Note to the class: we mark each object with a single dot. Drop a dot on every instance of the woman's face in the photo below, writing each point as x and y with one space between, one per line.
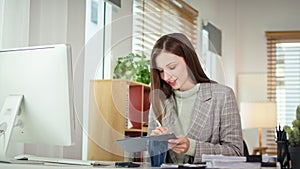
173 70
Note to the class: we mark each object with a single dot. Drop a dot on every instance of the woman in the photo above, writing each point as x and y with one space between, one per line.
203 114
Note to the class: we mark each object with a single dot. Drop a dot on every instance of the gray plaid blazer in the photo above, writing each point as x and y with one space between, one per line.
215 126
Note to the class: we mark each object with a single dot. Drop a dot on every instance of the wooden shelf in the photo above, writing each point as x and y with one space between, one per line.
144 130
113 104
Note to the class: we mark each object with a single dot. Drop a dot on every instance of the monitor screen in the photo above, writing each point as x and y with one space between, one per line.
43 76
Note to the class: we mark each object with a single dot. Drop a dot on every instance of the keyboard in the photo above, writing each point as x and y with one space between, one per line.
58 160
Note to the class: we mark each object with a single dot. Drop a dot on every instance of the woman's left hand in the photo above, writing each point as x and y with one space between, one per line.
179 145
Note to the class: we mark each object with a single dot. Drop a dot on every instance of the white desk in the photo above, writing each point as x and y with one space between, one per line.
38 166
50 166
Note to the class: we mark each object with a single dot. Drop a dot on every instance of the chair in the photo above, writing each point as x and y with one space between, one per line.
246 151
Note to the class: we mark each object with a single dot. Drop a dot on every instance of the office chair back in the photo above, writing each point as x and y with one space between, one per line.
246 151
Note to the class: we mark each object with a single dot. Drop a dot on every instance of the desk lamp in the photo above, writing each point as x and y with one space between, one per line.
258 115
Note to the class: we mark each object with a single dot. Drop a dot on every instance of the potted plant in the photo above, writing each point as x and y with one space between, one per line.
134 67
294 140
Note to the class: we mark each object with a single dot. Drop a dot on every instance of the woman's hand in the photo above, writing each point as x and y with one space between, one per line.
160 130
179 145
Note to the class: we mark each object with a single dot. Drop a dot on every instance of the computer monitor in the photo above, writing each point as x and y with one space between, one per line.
36 96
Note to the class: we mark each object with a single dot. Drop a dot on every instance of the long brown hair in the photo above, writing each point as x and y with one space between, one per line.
178 44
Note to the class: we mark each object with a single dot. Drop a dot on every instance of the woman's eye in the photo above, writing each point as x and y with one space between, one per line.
172 67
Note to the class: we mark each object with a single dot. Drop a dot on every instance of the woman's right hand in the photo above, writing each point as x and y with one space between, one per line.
160 130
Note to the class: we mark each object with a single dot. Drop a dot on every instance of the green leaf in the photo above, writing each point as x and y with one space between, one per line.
133 67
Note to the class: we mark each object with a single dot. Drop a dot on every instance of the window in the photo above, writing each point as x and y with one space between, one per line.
283 49
154 18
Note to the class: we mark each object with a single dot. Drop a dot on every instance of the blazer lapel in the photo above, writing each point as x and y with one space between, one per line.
201 109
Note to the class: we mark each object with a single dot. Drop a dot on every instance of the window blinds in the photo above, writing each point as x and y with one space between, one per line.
283 51
154 18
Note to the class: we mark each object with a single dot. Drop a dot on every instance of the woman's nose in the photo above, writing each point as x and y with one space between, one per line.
167 76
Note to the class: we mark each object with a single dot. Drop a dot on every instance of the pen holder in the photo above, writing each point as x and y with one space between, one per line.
283 156
157 151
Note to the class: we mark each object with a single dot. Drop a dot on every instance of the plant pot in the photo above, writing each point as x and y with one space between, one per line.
295 157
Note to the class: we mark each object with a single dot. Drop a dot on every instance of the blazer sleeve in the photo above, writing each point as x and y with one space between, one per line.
230 132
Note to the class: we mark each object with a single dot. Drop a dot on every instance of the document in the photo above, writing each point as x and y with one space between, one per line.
233 165
233 162
210 157
138 144
196 166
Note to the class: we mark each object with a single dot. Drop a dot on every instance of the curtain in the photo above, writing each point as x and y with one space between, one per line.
283 54
154 18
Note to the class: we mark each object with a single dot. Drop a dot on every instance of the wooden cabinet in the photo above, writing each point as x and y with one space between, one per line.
118 108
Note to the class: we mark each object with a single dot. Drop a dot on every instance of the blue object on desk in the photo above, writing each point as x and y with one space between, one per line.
157 150
138 144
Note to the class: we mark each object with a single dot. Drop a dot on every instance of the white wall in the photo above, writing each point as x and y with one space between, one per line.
269 15
47 26
14 16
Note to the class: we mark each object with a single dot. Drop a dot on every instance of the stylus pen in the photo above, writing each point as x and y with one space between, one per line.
158 123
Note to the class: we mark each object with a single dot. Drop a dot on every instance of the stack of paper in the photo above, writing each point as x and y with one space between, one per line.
220 161
209 157
197 166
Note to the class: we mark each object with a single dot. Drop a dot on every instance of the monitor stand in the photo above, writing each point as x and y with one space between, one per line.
9 111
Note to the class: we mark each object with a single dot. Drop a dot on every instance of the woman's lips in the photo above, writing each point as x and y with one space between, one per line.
173 83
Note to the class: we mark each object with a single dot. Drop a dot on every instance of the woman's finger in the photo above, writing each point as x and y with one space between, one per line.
179 145
159 130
